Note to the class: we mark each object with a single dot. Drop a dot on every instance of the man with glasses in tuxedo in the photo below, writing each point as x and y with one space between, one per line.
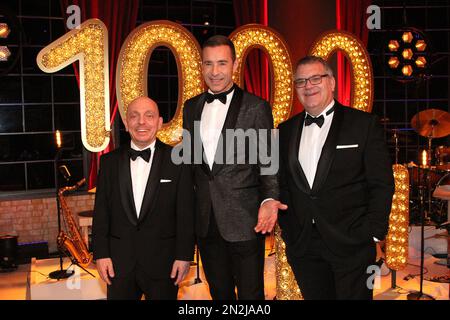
336 179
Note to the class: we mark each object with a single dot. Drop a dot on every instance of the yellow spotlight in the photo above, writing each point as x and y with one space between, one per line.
393 62
407 70
393 45
407 54
4 30
4 53
407 37
58 138
421 62
421 45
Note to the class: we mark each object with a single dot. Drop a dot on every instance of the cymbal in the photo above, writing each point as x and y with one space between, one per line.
432 123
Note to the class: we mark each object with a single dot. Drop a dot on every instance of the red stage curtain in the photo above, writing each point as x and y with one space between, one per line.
120 17
256 75
351 16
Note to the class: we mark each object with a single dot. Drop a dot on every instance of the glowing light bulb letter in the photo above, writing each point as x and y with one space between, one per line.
88 45
362 75
131 75
253 36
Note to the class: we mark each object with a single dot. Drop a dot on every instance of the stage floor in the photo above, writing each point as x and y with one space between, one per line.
13 285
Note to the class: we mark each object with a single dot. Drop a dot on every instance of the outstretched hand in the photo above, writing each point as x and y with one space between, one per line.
268 215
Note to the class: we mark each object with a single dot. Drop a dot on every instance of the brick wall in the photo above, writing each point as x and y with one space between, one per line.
37 219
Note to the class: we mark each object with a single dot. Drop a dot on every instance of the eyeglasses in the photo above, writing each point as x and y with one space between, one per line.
300 83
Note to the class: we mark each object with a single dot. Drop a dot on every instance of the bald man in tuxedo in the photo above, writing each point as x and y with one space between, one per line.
143 225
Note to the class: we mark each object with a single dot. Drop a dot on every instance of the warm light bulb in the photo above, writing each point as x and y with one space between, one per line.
58 138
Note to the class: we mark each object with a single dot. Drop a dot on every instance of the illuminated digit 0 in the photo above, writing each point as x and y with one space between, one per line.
89 45
362 75
131 75
253 36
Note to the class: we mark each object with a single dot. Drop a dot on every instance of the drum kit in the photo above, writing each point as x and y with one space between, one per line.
432 176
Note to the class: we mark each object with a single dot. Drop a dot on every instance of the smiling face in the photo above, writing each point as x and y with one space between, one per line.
143 121
315 98
218 68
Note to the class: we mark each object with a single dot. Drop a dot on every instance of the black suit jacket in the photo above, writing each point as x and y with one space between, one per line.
351 196
164 231
234 191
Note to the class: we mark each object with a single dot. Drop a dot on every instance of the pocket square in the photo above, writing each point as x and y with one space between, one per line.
165 181
346 146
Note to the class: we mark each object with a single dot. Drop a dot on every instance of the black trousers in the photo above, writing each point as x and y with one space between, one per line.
228 265
137 283
321 275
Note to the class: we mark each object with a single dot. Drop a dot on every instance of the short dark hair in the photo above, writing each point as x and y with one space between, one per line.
219 40
313 59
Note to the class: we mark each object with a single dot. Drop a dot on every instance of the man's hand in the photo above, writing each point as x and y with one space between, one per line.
268 214
179 270
105 269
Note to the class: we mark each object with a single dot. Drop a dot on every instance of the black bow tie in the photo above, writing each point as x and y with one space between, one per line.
144 154
319 120
222 97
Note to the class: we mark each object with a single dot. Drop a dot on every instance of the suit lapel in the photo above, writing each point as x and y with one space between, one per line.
152 188
328 150
294 145
125 186
230 123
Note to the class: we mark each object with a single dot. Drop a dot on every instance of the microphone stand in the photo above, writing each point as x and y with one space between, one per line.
419 295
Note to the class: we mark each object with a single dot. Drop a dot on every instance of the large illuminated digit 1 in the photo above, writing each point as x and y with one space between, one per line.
131 75
397 237
353 49
256 36
88 45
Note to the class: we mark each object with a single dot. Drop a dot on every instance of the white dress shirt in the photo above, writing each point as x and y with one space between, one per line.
311 144
211 124
140 171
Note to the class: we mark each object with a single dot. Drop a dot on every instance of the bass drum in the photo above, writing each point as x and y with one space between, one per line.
442 193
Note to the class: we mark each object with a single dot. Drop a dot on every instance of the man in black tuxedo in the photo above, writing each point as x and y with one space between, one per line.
235 201
143 227
337 180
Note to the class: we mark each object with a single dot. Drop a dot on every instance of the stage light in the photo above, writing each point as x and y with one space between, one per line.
421 45
407 57
407 70
407 54
421 62
407 37
393 62
4 53
4 30
393 45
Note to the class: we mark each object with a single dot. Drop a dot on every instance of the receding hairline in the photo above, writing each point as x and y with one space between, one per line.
313 59
144 99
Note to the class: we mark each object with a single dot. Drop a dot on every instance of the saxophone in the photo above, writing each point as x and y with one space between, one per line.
73 242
